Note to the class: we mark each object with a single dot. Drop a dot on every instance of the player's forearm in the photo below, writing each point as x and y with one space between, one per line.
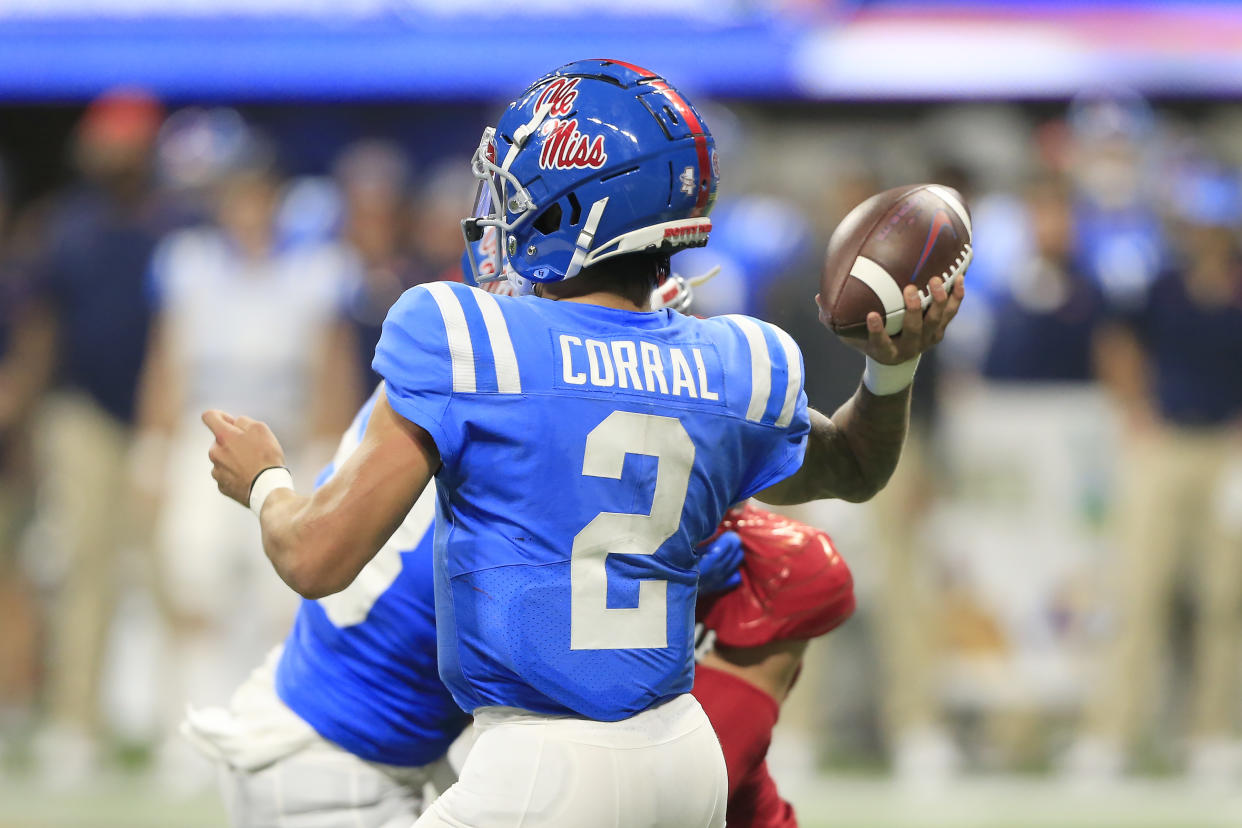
319 544
872 429
850 456
303 546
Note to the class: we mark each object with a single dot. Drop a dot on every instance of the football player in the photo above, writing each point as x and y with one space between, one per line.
794 587
565 586
347 724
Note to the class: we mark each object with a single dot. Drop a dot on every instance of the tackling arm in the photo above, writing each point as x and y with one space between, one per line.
318 543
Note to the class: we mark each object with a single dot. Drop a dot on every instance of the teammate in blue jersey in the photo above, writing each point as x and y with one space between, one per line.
582 447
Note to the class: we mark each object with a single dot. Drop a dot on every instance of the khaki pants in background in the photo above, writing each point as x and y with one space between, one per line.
1168 516
83 453
882 541
905 622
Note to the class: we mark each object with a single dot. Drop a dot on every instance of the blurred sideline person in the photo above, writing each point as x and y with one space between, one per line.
91 318
1044 325
1119 234
921 748
581 709
374 180
403 233
438 208
348 721
1172 363
242 320
194 149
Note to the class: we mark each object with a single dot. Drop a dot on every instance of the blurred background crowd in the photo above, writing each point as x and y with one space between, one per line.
1052 583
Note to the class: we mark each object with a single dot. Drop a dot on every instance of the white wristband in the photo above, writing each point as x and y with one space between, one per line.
266 482
883 380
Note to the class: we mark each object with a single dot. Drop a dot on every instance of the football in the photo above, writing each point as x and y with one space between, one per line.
899 237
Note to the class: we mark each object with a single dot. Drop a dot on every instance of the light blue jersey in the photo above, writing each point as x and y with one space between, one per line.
360 666
586 451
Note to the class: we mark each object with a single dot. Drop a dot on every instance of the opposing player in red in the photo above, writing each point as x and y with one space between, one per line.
794 587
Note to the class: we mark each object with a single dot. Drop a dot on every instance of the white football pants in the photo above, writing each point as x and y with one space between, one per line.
276 772
662 768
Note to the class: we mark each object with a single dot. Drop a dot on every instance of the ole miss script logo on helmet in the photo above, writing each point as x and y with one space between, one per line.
564 146
559 95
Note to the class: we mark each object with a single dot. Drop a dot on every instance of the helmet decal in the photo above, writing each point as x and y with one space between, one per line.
565 148
688 181
559 95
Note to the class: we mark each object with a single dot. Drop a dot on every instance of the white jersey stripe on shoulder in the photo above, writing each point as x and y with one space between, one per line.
508 380
793 384
760 366
460 349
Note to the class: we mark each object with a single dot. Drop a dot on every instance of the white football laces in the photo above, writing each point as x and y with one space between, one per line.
950 276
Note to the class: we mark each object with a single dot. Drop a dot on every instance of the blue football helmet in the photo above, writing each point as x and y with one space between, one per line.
597 159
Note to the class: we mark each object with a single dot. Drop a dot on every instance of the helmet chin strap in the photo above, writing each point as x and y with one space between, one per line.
583 245
522 133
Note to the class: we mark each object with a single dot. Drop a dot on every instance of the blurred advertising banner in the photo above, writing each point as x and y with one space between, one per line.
784 49
1021 543
347 9
1038 48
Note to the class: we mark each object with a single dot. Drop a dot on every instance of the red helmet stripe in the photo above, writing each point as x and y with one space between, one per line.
692 121
640 70
700 140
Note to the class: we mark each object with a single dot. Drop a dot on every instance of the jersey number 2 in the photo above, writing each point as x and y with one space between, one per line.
593 625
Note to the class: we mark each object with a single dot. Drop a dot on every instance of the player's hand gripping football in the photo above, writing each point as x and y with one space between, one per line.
920 329
893 270
243 448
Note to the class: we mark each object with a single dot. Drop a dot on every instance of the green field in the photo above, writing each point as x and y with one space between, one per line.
827 802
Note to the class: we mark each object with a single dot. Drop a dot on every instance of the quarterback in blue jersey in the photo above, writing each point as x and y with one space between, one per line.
582 446
348 721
